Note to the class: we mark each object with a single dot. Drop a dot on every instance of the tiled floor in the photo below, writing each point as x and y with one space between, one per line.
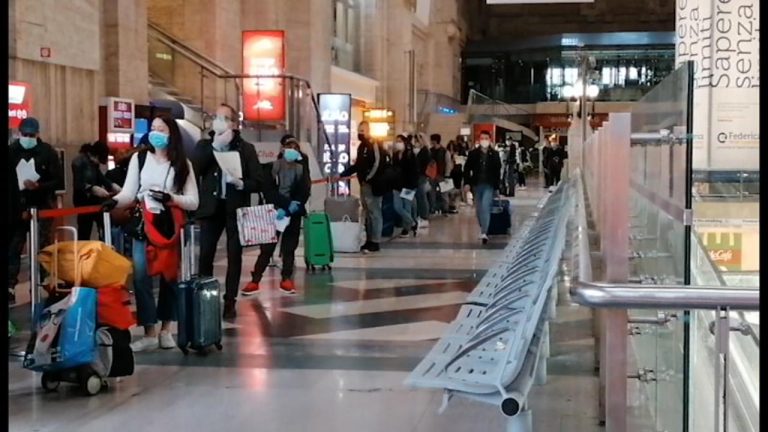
333 357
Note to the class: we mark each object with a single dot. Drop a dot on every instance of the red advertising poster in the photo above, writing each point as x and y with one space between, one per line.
263 54
19 103
480 127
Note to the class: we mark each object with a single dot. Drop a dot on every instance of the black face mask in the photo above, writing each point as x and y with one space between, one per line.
360 136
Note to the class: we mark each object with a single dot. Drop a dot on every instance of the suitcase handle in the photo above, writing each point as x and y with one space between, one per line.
187 251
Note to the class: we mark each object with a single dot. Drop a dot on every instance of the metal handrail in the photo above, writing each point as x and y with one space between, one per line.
189 52
638 296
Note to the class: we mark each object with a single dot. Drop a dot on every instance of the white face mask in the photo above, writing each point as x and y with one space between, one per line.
484 143
220 125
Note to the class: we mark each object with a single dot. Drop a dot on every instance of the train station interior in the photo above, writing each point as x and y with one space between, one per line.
447 215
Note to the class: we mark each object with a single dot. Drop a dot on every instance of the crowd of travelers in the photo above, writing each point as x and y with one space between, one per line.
154 188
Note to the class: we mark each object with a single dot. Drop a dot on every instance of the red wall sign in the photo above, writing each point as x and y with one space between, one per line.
121 115
264 54
19 103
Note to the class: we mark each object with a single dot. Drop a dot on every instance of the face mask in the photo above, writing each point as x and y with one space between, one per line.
158 140
484 143
291 155
399 146
360 136
28 142
220 125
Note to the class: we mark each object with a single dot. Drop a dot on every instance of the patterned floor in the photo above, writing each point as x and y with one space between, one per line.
331 358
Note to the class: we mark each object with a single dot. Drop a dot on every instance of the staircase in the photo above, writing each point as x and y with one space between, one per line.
160 90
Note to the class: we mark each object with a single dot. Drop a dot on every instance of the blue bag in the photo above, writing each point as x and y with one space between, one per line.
65 333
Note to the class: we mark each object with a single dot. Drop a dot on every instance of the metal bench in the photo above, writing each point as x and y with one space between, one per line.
497 346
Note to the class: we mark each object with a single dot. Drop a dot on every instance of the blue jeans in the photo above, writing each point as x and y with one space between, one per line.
403 208
374 222
422 202
483 195
146 312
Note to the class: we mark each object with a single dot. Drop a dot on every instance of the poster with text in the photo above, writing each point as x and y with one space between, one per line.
335 113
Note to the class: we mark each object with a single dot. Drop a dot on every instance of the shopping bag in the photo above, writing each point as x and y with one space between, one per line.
347 236
256 225
64 335
97 263
446 185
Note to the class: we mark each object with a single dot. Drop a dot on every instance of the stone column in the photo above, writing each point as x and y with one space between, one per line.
124 43
722 38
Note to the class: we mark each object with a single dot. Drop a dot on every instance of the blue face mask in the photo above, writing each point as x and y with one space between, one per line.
158 140
28 142
291 155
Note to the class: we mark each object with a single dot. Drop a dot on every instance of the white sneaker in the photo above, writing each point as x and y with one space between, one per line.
166 340
145 344
423 223
523 188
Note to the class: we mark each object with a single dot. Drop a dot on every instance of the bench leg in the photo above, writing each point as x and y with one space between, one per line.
522 422
540 378
545 340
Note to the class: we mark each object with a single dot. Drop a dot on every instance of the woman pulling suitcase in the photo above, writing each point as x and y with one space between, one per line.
161 185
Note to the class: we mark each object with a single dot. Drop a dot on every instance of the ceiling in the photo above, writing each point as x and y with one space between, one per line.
504 22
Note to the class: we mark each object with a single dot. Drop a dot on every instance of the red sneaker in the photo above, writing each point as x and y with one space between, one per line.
250 289
286 286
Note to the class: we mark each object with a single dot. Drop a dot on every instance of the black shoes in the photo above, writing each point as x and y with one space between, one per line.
229 311
405 232
369 247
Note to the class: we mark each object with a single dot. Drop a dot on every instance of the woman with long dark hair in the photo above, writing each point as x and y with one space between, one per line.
161 181
406 176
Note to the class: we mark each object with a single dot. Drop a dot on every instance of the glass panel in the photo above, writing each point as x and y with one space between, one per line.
659 157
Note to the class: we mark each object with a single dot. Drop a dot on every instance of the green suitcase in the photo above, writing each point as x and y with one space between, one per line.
318 243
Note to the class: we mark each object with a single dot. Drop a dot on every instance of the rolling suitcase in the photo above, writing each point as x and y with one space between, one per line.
342 208
198 303
501 218
318 241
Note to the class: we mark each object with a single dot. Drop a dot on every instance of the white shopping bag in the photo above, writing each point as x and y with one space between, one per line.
347 236
446 185
256 225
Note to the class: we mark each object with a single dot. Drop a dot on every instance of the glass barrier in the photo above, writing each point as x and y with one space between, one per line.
660 155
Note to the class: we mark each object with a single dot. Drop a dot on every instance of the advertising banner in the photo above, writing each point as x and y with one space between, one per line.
19 103
381 122
723 40
335 113
264 54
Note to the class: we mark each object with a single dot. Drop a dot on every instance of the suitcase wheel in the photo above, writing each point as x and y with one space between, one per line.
184 350
313 268
219 346
91 383
49 382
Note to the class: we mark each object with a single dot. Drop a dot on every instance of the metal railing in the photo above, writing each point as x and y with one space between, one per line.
640 296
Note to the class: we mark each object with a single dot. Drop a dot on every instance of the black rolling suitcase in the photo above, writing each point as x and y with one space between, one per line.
198 303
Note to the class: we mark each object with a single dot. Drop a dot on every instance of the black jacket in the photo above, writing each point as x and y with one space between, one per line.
209 174
472 168
424 157
439 156
49 168
367 155
553 158
300 190
85 175
406 170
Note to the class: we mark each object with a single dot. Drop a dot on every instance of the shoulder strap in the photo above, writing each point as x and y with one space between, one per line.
142 160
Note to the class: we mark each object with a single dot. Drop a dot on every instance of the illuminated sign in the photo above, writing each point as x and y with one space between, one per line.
335 113
119 115
19 105
381 122
264 54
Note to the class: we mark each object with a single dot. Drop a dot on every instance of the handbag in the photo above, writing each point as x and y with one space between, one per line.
134 225
256 225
